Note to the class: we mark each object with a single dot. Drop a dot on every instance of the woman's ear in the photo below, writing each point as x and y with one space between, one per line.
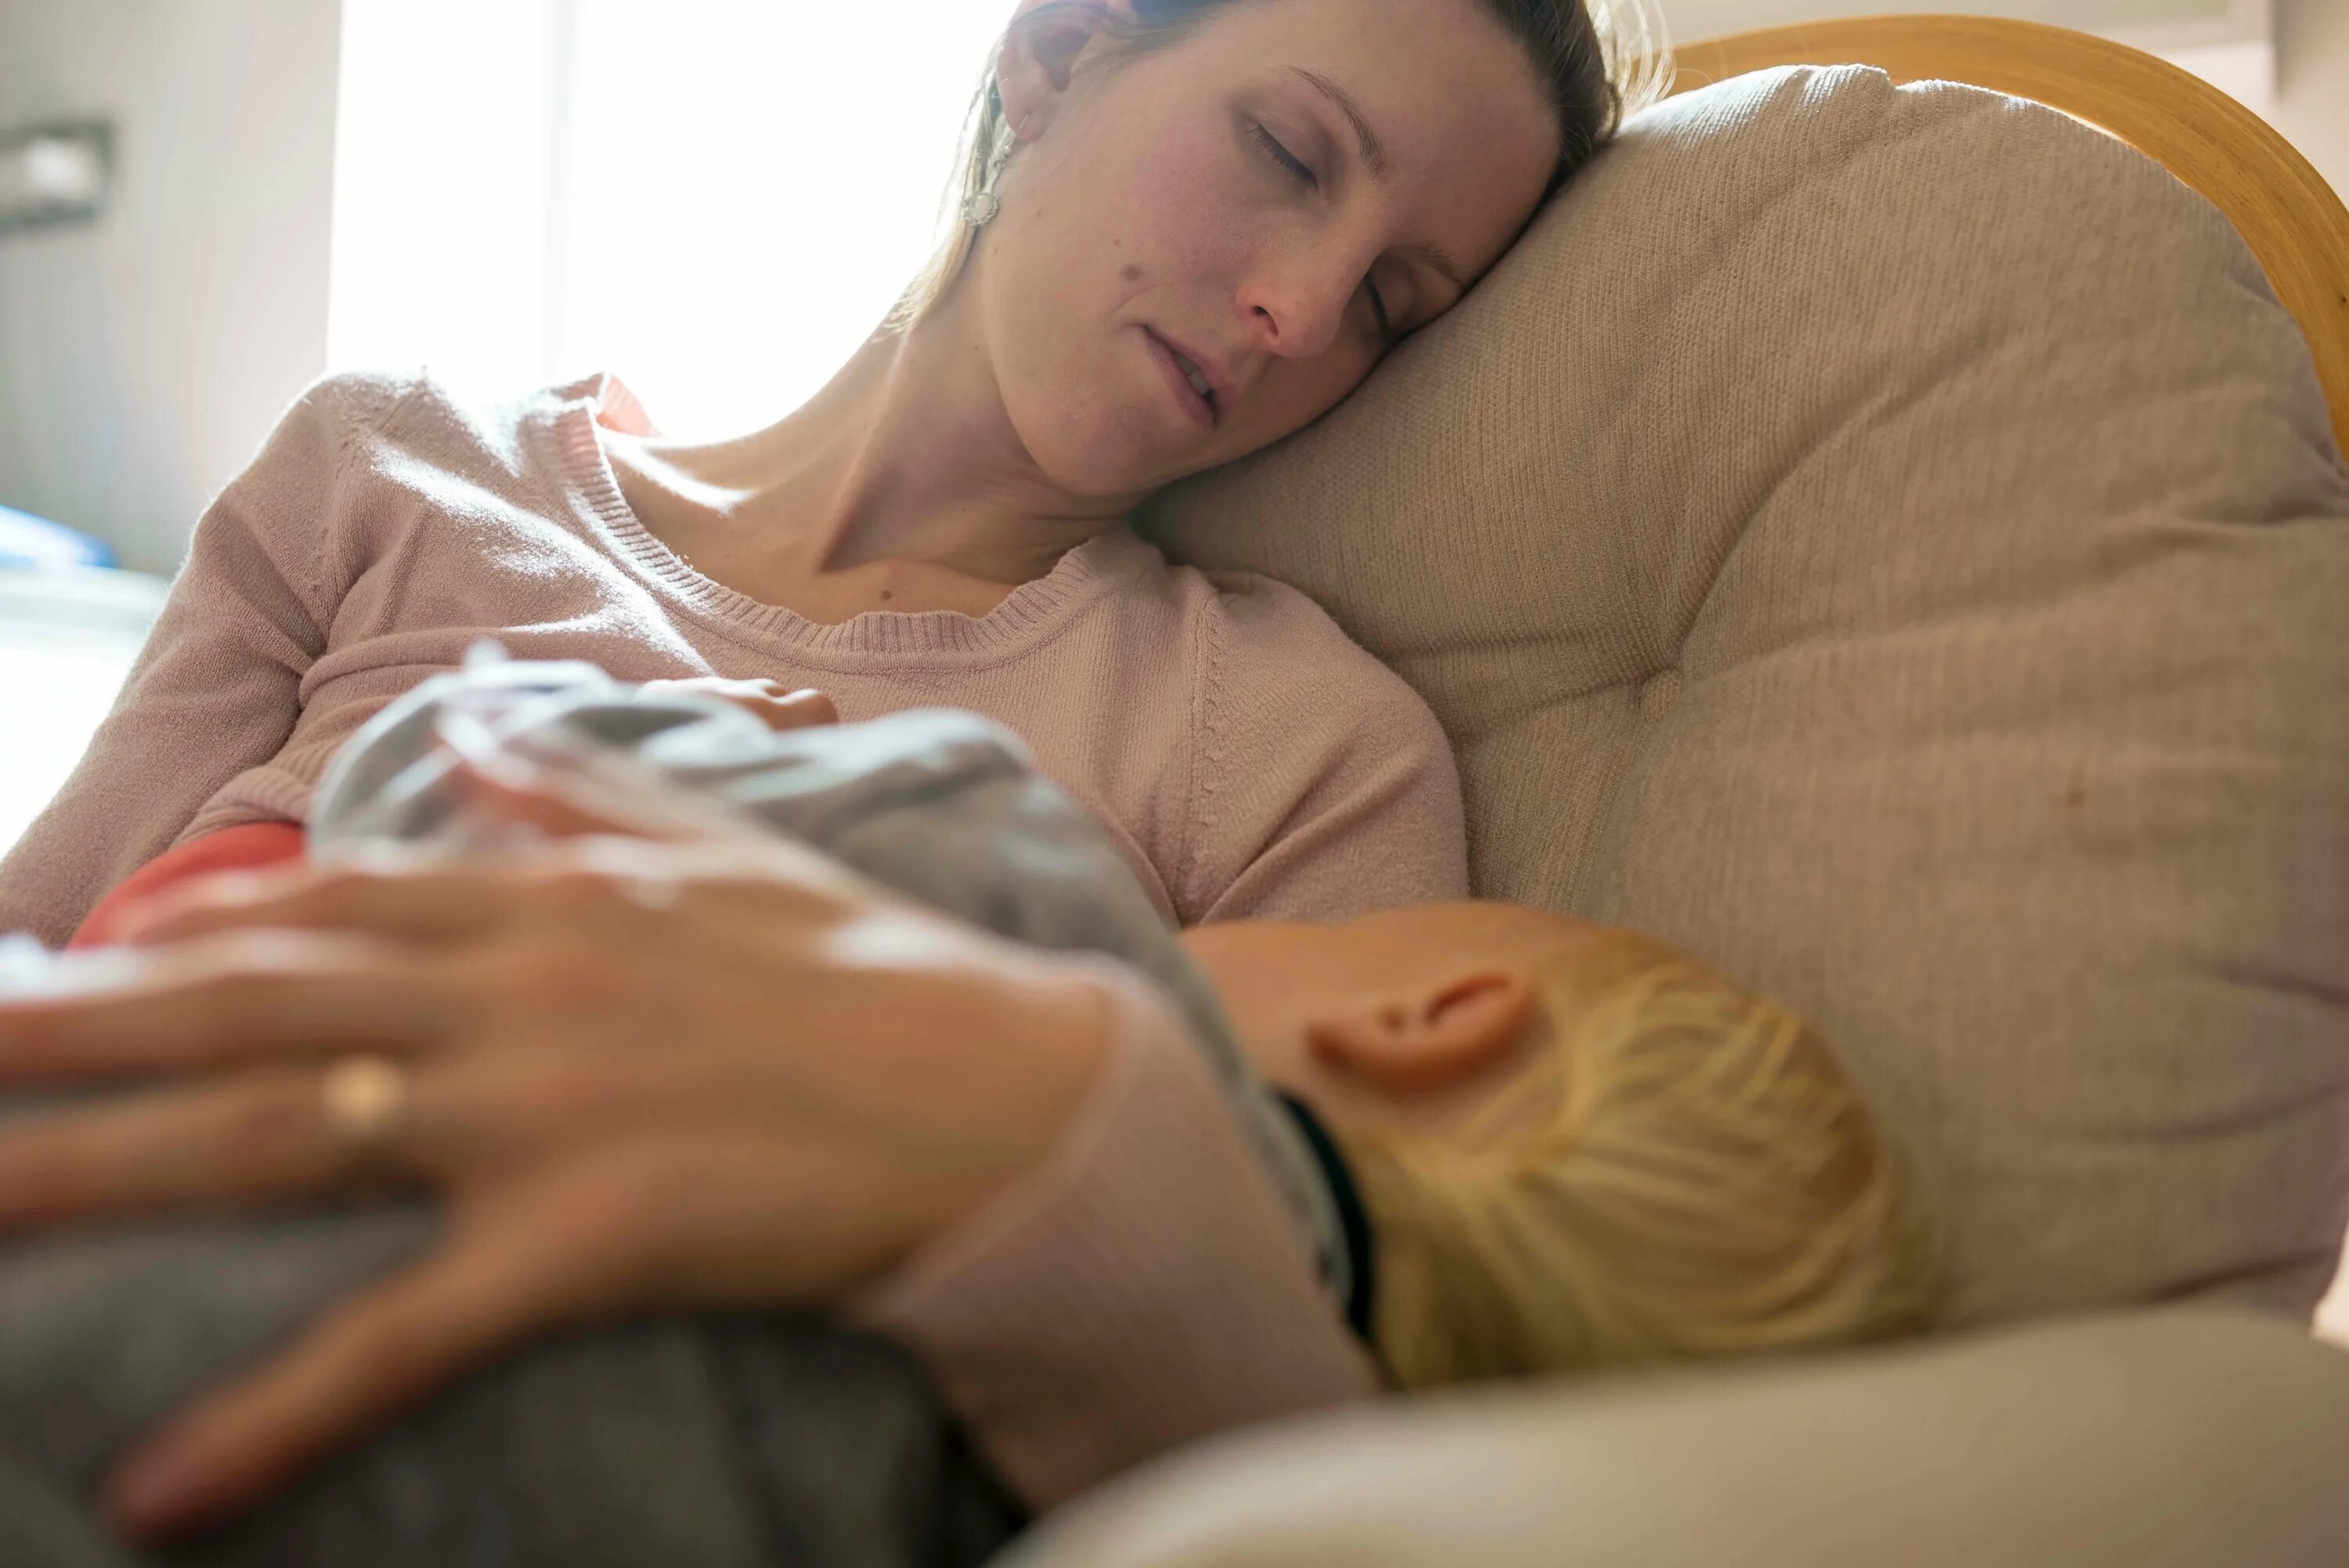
1039 58
1423 1041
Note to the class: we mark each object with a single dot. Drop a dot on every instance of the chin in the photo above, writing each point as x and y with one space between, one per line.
1089 452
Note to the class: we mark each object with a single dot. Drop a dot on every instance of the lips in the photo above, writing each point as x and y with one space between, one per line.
1192 387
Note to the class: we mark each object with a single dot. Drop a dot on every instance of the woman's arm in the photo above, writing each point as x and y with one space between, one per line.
1144 1288
216 689
1138 1281
1150 1284
642 1078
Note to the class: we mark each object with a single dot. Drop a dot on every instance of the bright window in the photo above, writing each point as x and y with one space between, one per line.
714 200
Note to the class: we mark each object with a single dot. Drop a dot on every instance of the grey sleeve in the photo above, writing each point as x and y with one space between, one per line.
709 1443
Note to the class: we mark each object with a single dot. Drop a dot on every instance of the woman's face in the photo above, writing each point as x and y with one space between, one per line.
1274 198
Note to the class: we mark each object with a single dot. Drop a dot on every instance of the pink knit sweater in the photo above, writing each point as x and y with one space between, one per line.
1249 758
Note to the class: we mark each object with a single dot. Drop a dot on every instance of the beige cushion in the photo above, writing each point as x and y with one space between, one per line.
2183 1438
1888 542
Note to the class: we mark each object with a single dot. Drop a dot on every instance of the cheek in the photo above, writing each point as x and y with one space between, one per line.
1076 264
1050 278
1186 217
1073 384
1167 200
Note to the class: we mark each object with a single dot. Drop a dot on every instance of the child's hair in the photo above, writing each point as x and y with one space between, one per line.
1599 60
1690 1175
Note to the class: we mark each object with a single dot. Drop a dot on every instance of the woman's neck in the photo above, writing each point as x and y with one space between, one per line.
906 455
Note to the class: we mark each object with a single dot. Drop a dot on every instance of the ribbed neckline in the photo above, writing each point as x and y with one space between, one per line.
1027 614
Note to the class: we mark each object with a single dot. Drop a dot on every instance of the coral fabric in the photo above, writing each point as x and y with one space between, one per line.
248 848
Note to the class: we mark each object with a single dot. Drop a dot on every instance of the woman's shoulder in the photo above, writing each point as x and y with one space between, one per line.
1272 641
1324 783
431 415
374 465
1256 617
420 407
363 393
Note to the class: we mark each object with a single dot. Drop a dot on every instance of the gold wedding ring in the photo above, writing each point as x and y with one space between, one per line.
365 1103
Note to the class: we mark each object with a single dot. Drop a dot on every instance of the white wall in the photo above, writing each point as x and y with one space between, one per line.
143 358
2312 83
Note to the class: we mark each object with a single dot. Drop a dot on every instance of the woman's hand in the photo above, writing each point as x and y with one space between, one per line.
643 1078
778 706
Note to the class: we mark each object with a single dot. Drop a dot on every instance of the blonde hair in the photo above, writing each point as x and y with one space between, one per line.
1689 1174
1599 60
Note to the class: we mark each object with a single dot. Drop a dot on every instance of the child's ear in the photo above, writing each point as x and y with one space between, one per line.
1417 1042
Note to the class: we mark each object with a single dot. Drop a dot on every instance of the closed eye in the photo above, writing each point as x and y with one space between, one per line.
1387 333
1282 156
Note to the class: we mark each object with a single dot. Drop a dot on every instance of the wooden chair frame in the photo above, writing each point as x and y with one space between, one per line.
2292 219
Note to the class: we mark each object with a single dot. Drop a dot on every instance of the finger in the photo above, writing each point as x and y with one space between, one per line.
257 1138
356 1368
804 710
382 890
244 997
574 799
525 797
763 699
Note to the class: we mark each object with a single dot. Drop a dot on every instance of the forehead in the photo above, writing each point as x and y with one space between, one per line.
1469 137
1477 928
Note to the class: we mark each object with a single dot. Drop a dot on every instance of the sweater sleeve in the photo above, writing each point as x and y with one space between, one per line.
215 690
1146 1288
1325 787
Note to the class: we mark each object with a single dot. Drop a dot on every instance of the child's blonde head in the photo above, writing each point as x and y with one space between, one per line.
1688 1174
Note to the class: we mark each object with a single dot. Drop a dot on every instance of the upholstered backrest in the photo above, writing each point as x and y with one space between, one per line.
1889 541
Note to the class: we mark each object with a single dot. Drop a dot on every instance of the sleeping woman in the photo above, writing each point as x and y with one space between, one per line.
1186 229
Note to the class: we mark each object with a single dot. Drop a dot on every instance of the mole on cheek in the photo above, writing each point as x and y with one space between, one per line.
1133 274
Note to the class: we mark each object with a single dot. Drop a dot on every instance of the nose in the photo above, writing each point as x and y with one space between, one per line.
1295 302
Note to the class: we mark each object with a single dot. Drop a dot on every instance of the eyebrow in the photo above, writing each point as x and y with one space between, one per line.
1374 151
1374 158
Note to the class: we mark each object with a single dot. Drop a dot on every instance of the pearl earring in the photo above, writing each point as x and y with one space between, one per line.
983 205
